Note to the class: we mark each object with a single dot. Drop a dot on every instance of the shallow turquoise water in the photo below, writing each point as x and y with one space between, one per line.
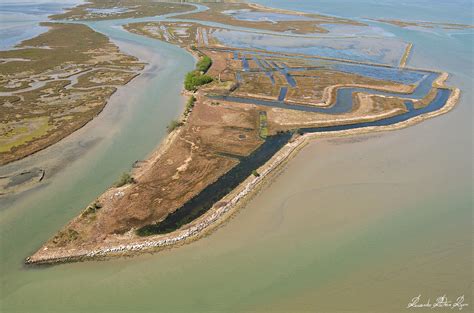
353 225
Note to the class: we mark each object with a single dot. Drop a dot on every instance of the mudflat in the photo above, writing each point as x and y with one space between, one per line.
54 84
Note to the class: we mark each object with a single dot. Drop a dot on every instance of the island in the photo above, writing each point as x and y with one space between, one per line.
54 84
264 85
424 24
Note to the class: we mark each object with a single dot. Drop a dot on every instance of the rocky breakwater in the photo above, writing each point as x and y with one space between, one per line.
216 215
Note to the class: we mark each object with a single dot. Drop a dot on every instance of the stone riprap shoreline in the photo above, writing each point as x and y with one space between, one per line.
194 229
229 204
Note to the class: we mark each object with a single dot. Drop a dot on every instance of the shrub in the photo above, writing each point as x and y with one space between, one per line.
173 125
190 105
204 64
92 208
125 179
255 173
203 79
195 79
71 234
188 81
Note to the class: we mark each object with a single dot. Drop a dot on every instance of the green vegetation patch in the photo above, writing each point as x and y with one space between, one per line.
195 79
15 134
91 209
204 64
173 125
189 105
125 179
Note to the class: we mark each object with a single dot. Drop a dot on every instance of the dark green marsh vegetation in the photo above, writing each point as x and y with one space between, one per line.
204 64
198 77
125 179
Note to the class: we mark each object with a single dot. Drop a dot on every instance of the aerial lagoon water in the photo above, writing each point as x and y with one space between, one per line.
369 49
19 19
361 224
247 15
107 11
344 103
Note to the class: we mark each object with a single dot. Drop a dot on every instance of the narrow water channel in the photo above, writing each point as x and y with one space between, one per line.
83 165
201 203
343 103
